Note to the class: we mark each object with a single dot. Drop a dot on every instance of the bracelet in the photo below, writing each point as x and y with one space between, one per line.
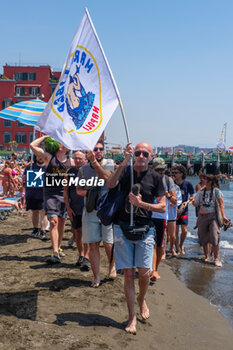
94 161
148 208
170 197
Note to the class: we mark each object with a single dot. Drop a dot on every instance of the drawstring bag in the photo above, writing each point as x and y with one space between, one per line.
91 199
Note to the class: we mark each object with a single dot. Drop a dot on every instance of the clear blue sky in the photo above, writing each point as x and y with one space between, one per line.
172 60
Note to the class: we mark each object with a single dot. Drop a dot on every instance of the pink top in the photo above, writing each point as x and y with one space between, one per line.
14 172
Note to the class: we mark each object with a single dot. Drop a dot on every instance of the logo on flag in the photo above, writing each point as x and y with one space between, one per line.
79 102
86 95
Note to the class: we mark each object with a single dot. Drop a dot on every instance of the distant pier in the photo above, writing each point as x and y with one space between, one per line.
210 164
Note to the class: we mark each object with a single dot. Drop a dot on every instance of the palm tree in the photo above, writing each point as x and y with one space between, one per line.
13 145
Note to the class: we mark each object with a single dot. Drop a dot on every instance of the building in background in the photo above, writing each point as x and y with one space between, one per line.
20 83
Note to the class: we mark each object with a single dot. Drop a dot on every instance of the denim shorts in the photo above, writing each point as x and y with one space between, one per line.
132 254
93 230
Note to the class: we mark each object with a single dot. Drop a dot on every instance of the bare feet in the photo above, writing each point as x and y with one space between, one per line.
112 272
206 259
163 257
95 284
182 251
131 326
144 311
173 252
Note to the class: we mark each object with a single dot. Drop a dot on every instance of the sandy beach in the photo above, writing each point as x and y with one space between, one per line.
53 307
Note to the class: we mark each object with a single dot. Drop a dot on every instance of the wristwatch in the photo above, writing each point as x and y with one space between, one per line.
170 197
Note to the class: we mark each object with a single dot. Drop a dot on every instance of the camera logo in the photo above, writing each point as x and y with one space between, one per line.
35 179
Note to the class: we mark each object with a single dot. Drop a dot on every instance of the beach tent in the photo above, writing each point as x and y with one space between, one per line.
26 112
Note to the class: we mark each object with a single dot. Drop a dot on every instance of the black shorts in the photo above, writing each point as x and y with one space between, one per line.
182 220
77 221
160 229
55 206
34 204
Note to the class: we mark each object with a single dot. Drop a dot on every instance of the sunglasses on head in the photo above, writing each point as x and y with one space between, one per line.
144 153
98 148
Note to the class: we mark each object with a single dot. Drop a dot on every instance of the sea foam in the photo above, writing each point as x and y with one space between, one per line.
191 235
225 245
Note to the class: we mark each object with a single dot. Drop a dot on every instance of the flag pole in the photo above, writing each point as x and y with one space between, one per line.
131 159
33 138
120 103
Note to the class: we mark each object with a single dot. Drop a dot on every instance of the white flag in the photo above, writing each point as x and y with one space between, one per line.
86 95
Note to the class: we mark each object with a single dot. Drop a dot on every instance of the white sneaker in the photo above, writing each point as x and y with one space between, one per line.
48 227
218 263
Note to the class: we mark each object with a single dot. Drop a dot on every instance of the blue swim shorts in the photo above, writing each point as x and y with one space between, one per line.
132 254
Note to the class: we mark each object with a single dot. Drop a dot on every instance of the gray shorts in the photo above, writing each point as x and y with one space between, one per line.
55 206
93 230
132 254
208 229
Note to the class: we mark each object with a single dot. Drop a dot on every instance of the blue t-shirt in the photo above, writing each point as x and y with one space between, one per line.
172 209
186 189
168 185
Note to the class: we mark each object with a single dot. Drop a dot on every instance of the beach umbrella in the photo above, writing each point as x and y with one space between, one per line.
26 112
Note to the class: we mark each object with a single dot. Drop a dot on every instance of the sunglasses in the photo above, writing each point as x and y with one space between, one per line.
144 153
98 148
176 172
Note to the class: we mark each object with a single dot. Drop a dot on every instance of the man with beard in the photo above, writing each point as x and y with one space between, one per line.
56 166
35 201
93 231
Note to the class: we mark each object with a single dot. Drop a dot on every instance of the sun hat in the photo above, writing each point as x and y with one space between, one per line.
159 163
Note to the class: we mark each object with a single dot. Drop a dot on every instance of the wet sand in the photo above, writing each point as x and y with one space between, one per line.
44 307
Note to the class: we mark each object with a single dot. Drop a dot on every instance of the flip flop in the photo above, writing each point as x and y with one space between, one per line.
153 279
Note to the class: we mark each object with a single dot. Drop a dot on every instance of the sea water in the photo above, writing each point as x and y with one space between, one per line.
215 284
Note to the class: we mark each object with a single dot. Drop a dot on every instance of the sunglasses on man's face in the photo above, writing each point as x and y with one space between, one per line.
98 148
176 172
144 153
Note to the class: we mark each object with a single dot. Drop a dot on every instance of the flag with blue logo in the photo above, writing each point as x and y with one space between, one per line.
86 95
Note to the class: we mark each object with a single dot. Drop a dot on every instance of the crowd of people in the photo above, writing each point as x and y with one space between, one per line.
159 204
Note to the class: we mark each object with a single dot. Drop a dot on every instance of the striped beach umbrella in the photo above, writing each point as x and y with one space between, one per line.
26 112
